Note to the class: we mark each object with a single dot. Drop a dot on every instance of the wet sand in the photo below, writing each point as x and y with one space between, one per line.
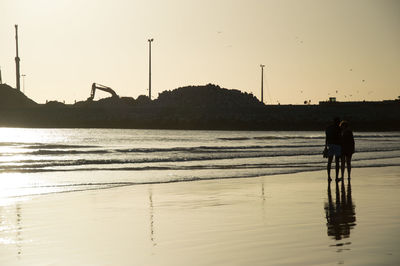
290 219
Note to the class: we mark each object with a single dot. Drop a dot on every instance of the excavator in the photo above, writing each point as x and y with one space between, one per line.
96 86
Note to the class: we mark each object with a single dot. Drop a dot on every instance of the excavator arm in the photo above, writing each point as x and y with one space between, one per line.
96 86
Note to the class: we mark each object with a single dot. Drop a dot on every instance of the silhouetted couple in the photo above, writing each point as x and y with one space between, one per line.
339 143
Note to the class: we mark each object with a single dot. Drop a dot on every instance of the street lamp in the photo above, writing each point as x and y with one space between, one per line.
150 41
262 83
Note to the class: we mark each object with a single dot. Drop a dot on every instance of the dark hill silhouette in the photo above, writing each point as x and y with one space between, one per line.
12 98
206 107
113 102
208 96
193 107
55 104
191 97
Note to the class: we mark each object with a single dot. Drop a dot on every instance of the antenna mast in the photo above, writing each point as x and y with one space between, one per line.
17 60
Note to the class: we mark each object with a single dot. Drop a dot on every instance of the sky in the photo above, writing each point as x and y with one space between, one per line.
311 49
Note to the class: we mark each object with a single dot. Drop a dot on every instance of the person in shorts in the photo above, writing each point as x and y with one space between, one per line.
333 146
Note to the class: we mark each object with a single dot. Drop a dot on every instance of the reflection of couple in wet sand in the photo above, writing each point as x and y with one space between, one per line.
339 143
340 214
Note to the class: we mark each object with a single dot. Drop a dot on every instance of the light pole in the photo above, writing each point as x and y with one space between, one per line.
150 41
23 82
262 83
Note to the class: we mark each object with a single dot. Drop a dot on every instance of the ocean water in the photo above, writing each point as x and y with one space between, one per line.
41 161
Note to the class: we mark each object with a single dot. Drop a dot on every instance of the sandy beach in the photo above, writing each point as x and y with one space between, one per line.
292 219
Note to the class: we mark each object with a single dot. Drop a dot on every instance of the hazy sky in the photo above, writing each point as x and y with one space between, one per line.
312 49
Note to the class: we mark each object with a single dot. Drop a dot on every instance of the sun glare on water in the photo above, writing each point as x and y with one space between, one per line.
13 140
14 144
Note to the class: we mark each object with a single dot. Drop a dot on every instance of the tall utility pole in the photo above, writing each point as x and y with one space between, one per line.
17 59
1 80
262 83
150 41
23 83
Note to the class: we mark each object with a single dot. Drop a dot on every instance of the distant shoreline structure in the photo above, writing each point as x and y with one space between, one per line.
207 107
332 100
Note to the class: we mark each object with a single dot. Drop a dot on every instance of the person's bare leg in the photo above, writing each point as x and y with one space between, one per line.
348 161
328 168
337 166
342 164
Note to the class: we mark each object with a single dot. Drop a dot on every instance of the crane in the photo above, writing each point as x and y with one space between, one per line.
102 88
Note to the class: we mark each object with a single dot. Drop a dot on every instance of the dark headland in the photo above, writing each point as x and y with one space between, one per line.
206 107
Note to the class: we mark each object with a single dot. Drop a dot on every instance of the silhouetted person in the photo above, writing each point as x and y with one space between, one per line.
333 145
347 147
340 214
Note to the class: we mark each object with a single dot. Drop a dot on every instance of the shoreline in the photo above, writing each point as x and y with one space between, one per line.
109 186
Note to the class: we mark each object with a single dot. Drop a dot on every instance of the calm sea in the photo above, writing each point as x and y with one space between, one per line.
40 161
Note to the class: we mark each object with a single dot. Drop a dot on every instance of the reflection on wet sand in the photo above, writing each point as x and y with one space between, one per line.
340 214
19 230
263 198
151 217
8 228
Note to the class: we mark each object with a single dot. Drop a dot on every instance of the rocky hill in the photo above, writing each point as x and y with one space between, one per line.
208 96
12 98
